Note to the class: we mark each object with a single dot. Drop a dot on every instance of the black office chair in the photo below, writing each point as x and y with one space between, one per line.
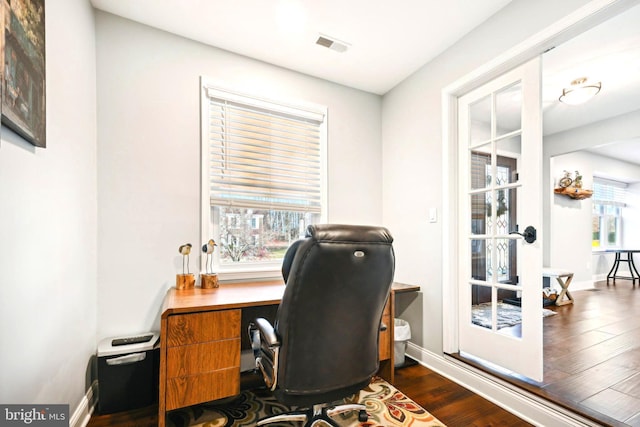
323 345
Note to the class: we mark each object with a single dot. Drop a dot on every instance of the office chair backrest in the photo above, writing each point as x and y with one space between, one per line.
338 280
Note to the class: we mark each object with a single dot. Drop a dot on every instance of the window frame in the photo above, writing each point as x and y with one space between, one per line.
614 197
209 220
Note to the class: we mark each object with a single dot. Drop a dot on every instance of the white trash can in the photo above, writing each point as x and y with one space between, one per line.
401 334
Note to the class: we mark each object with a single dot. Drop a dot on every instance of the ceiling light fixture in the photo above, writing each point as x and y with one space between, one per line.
579 92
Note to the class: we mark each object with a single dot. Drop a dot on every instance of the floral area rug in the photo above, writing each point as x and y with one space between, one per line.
386 407
508 314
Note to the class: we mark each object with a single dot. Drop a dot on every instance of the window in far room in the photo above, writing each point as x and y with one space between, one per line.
263 178
608 202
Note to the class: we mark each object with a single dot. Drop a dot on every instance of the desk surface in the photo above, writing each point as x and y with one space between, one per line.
227 296
236 295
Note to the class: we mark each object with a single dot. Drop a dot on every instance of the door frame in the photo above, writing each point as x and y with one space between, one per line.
579 21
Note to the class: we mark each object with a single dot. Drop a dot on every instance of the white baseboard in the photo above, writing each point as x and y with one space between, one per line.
599 277
519 402
82 414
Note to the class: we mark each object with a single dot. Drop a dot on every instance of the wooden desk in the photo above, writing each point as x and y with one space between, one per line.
200 335
616 263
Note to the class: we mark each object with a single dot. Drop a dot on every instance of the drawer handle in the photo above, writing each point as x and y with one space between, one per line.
127 359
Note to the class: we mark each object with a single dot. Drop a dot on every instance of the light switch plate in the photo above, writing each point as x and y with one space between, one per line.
433 215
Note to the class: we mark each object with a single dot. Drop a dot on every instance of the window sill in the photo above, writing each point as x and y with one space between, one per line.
244 274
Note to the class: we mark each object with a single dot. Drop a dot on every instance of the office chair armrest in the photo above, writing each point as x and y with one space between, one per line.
267 333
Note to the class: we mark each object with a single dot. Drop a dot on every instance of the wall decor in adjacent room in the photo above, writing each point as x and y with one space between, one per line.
22 46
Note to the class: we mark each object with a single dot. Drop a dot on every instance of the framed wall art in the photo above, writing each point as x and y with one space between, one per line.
22 46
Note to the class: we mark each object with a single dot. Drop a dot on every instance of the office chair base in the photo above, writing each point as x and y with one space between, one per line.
317 413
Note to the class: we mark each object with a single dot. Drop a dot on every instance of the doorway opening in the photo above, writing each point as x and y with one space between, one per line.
590 293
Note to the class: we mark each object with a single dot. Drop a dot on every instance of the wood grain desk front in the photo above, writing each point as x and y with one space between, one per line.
200 336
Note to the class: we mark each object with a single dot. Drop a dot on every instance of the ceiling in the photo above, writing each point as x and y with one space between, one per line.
387 41
608 53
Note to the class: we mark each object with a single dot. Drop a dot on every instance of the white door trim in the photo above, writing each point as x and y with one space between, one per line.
588 16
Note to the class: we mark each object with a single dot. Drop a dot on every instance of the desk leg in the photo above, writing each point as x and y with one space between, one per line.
614 269
632 268
162 386
565 290
386 367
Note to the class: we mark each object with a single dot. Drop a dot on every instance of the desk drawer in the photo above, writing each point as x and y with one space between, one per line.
194 328
187 391
200 358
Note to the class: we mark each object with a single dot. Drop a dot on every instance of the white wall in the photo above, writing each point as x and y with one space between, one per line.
570 221
48 227
149 157
412 153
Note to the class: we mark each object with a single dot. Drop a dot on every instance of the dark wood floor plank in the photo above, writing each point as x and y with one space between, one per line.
634 421
593 355
451 403
630 386
619 327
614 404
565 347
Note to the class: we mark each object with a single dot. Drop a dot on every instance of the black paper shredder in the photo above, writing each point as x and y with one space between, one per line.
128 372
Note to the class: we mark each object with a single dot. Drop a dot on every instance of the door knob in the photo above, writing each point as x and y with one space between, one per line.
530 234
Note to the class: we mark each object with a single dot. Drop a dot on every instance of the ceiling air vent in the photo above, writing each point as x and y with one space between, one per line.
332 44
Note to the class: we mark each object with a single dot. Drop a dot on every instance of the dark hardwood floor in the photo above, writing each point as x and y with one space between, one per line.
450 403
592 355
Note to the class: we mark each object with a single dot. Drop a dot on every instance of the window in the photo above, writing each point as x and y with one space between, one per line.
263 177
608 202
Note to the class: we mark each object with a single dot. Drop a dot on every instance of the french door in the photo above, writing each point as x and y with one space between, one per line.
500 221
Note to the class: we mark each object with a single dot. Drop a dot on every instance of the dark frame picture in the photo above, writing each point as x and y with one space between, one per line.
22 45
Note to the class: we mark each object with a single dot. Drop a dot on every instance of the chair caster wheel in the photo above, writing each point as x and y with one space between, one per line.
363 416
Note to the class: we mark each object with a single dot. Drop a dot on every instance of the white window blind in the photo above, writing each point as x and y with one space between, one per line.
263 154
609 192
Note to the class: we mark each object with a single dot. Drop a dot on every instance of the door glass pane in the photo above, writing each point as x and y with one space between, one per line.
480 167
508 150
506 204
505 261
481 213
509 109
479 259
480 121
509 318
481 307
